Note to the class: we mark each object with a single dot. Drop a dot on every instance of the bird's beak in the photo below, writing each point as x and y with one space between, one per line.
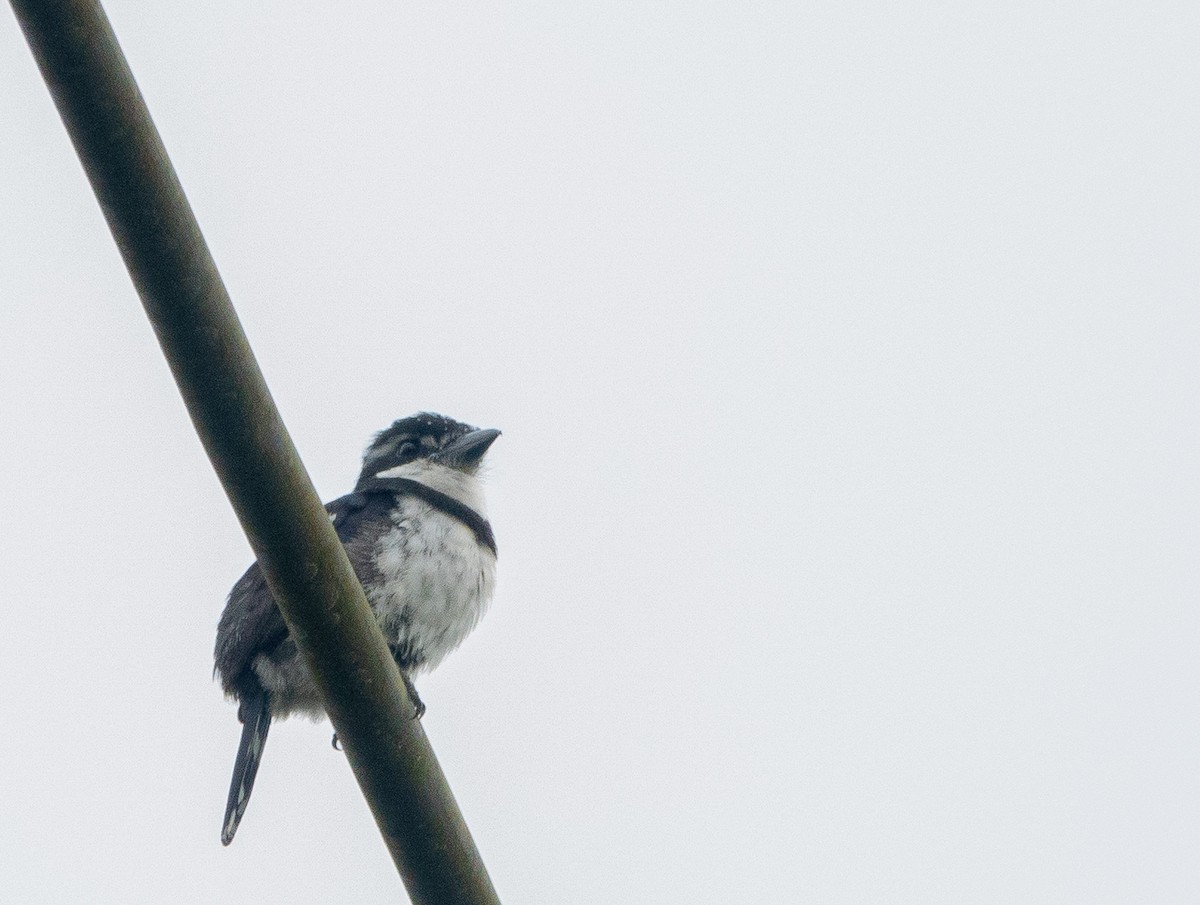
466 451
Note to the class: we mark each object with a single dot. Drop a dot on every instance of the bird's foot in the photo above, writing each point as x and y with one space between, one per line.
418 704
337 745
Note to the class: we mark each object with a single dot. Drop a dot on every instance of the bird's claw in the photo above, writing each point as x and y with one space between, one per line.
418 704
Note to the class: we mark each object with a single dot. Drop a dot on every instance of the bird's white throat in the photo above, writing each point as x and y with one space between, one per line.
460 485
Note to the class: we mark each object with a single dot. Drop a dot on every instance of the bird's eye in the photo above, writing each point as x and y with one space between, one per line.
408 449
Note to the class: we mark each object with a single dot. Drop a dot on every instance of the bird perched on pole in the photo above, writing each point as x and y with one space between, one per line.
417 535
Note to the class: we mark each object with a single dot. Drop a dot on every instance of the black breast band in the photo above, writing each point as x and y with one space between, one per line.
438 500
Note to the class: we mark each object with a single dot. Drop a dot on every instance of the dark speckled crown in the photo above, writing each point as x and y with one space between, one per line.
408 439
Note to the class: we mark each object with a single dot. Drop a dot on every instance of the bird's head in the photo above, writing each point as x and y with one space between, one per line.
426 436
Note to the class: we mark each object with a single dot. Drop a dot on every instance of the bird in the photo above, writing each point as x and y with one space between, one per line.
416 532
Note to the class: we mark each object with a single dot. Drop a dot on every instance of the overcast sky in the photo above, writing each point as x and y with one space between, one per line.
848 362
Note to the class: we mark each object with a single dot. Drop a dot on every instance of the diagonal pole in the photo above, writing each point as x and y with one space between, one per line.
250 449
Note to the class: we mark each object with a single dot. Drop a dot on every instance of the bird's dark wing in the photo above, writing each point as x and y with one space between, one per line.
251 622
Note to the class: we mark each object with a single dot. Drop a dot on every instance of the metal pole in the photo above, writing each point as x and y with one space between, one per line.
250 449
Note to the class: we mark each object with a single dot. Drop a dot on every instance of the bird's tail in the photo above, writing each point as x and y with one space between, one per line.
255 712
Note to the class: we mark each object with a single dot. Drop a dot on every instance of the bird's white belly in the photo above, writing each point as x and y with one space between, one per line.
434 583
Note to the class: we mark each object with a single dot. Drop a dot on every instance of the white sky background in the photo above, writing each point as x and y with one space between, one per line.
847 361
